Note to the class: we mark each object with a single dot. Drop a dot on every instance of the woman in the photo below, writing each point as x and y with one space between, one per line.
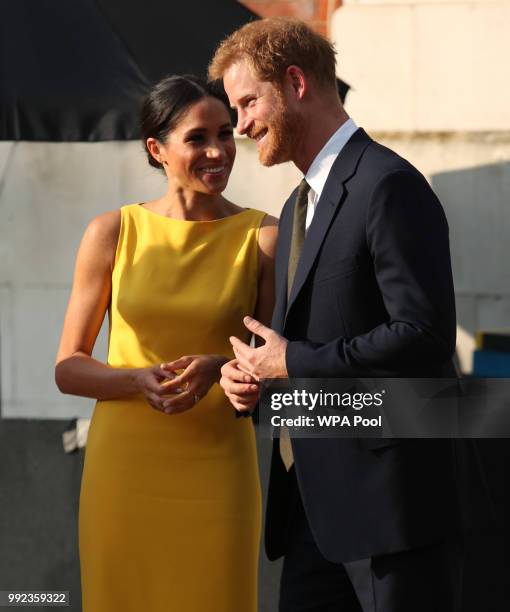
170 499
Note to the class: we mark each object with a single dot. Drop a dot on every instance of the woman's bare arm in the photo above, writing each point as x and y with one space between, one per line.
76 372
268 235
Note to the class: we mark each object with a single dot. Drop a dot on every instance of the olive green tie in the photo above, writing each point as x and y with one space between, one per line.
298 232
296 244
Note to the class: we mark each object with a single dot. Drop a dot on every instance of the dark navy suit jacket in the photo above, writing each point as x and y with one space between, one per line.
372 296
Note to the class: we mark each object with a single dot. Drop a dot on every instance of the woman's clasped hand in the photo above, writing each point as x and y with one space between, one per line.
178 385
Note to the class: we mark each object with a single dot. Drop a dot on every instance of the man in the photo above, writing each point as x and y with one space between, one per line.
363 288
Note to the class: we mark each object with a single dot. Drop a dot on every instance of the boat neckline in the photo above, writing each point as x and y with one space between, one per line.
141 206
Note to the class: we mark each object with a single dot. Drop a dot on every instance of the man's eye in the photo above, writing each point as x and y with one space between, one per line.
227 133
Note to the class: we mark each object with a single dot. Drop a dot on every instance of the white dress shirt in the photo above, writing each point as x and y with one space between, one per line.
318 172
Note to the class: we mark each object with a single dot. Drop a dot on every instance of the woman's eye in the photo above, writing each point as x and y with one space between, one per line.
195 138
227 133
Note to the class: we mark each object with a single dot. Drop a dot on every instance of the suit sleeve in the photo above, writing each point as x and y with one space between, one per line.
407 235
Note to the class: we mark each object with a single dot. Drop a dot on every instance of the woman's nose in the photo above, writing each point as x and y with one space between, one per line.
214 151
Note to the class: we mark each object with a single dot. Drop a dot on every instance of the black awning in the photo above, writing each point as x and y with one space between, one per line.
78 71
168 37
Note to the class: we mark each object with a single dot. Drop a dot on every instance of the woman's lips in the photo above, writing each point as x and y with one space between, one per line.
214 170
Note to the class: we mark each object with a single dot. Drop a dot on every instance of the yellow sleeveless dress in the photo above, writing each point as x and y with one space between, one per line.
170 505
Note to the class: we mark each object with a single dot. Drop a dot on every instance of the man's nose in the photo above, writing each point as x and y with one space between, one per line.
243 122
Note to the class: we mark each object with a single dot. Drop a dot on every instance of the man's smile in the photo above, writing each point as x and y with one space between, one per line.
258 136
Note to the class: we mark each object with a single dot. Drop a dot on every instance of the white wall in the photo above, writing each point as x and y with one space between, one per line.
426 66
48 194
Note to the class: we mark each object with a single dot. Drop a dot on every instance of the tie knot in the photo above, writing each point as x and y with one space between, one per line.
302 193
303 188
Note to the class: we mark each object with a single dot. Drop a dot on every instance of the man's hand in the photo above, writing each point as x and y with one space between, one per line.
266 361
241 389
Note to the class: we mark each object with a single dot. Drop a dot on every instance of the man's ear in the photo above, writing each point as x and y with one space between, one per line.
297 81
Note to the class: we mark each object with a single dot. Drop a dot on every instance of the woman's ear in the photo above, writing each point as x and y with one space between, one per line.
155 149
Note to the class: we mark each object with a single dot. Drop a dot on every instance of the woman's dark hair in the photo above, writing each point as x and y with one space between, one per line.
167 102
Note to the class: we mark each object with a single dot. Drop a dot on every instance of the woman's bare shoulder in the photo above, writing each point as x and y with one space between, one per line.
269 221
104 229
268 235
99 242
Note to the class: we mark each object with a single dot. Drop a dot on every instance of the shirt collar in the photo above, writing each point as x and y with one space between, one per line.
318 172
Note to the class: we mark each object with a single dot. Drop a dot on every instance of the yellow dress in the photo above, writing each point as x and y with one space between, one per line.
170 505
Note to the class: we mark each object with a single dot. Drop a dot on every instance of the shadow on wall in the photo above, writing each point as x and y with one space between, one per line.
39 490
477 205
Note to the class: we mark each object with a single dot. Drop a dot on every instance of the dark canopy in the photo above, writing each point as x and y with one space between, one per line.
77 71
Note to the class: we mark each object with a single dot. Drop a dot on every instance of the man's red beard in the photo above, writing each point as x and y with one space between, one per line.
281 137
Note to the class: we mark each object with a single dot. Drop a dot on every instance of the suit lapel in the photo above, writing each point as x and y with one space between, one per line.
332 197
281 262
